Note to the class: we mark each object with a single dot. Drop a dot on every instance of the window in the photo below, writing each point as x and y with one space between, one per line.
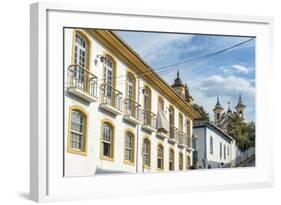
107 140
220 150
160 104
80 61
228 150
81 51
108 78
171 160
146 153
224 152
160 157
180 161
172 121
77 130
180 122
211 145
188 128
129 147
147 105
188 160
130 86
218 116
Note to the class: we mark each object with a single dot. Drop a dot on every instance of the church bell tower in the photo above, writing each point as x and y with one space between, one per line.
218 111
240 108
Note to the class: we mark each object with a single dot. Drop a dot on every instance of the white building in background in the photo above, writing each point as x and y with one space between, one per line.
120 116
214 148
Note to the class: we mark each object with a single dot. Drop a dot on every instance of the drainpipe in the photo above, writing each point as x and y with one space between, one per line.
138 127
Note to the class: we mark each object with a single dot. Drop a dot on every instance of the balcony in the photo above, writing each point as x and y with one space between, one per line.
173 138
149 120
189 144
132 111
110 99
182 139
162 133
82 83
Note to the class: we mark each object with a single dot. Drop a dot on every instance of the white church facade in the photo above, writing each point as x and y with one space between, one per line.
120 115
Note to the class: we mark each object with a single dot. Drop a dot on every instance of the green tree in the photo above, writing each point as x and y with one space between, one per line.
202 112
243 133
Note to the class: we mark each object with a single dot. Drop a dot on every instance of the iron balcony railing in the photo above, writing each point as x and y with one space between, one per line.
173 132
182 138
82 79
189 142
149 118
110 96
132 108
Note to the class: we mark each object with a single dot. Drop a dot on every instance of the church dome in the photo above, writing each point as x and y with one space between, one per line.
178 81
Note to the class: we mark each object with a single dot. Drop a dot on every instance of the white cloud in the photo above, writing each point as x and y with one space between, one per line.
228 89
236 69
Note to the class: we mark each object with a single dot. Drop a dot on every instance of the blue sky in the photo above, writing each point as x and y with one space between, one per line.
224 75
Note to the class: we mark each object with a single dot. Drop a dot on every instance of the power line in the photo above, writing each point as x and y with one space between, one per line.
167 69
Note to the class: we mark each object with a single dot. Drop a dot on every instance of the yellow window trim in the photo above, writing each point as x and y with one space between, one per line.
144 165
181 154
131 163
102 157
87 39
172 149
135 83
163 159
85 144
107 54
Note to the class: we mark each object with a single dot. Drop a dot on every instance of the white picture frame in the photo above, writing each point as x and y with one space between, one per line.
46 180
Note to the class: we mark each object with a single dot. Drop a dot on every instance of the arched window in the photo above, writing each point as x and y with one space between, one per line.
77 130
220 150
129 147
224 151
81 50
147 106
160 157
211 145
147 98
180 161
172 121
131 86
160 104
146 153
171 160
107 140
79 75
108 78
188 161
180 122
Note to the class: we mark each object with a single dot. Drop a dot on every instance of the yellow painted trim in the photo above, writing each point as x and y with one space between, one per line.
89 53
102 157
128 72
163 156
131 163
180 153
129 57
158 99
85 144
171 149
150 96
144 165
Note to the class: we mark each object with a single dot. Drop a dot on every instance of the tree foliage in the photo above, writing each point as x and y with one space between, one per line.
202 112
244 133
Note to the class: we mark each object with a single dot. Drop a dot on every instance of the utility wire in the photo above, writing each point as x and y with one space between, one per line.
169 68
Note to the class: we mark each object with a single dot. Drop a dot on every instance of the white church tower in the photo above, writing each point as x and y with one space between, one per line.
240 108
218 111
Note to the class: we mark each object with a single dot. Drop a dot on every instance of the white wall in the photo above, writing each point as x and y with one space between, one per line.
77 165
15 176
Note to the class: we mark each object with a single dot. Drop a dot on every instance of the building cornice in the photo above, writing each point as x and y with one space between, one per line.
128 56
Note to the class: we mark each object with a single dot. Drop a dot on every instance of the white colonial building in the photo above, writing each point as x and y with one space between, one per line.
120 115
214 148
